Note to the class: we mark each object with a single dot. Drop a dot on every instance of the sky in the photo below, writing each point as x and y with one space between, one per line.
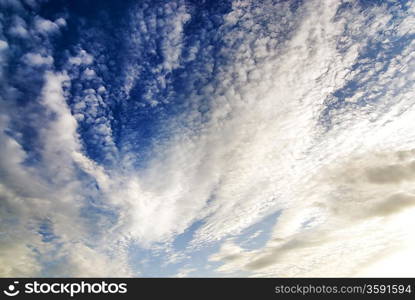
196 138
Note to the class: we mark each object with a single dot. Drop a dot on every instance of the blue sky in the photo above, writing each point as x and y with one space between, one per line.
206 138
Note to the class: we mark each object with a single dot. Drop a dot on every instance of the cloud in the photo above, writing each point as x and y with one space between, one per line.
20 28
51 191
89 73
394 204
325 216
217 117
83 57
45 26
344 211
184 272
60 22
3 45
36 59
391 174
148 31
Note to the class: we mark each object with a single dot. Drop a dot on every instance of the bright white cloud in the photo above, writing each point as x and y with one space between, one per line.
36 59
55 195
147 26
325 218
3 45
83 57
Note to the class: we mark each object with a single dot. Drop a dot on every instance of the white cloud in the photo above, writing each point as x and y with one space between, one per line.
19 28
45 26
343 210
3 45
268 140
89 73
83 58
51 191
81 260
248 161
175 16
184 272
146 28
36 59
60 22
19 31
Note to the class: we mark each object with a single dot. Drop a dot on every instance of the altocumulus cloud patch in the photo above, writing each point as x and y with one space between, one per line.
206 138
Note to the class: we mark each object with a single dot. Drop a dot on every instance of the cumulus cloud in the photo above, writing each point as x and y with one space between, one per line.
45 26
83 57
148 30
3 44
19 28
36 59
